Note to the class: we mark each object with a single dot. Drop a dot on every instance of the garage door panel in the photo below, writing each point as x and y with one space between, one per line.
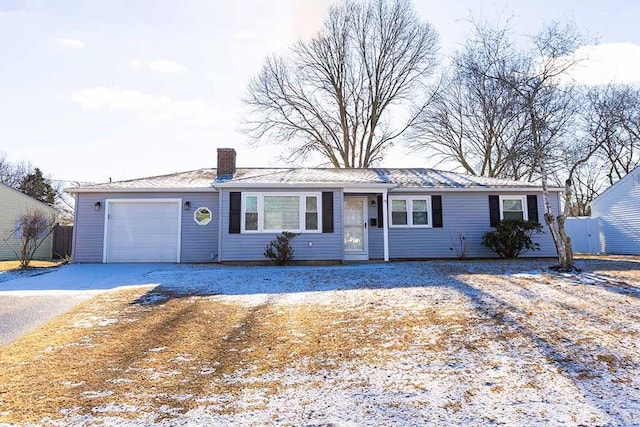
150 240
143 231
137 226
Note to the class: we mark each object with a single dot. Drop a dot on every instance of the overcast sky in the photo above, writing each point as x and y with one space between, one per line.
133 88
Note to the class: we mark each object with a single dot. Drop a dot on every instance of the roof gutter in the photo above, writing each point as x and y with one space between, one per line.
303 185
468 189
139 190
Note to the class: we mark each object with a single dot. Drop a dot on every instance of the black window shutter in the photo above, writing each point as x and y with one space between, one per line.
436 207
380 213
235 211
532 207
494 210
327 211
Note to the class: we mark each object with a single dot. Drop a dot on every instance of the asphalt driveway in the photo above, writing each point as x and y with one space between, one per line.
27 301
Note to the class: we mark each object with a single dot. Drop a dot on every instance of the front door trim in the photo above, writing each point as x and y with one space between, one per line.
350 255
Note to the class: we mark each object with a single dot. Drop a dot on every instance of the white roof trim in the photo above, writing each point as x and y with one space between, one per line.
141 190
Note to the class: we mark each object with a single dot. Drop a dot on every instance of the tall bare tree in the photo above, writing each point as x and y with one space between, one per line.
614 119
477 121
334 94
538 78
12 173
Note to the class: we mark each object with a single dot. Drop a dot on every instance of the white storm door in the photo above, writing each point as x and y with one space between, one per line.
142 231
355 233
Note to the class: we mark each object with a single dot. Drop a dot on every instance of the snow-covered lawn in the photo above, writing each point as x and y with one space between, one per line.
421 343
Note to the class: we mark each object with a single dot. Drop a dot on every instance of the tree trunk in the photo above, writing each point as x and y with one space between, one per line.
550 219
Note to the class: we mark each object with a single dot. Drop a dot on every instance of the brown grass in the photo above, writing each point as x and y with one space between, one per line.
13 265
172 353
154 354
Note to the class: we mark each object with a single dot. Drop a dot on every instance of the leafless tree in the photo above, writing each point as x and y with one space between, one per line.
614 119
607 128
32 228
539 77
335 94
476 120
12 173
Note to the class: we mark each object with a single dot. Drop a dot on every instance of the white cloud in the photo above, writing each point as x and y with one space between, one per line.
149 106
607 63
159 66
69 43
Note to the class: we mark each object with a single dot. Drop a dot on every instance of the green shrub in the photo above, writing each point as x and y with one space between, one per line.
279 250
512 237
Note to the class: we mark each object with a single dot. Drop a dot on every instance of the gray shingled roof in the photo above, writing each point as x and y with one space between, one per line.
201 178
403 178
407 178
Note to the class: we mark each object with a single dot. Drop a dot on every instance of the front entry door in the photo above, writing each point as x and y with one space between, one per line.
355 233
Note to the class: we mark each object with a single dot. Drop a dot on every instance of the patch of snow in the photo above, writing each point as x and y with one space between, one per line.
71 383
96 394
92 321
115 407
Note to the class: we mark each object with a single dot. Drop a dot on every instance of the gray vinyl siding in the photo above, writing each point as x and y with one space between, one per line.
250 246
199 243
466 213
618 215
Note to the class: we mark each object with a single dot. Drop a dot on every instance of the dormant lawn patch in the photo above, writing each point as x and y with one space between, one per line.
399 344
14 265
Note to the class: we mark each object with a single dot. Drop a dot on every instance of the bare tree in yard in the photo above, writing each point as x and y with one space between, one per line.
477 121
549 104
607 129
587 182
13 174
615 120
334 94
31 230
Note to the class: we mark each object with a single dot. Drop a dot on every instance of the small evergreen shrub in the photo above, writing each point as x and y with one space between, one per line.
512 237
279 250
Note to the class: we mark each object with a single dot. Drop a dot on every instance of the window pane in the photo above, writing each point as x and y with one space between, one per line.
420 218
419 205
399 218
311 221
512 204
251 204
251 221
281 212
513 215
398 205
312 204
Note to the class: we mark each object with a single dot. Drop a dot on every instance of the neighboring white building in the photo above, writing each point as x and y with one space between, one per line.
12 204
617 212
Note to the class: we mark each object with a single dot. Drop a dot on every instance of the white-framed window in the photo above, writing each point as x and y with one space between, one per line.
410 211
202 216
513 207
278 212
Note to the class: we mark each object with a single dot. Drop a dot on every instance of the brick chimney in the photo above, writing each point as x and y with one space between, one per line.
226 162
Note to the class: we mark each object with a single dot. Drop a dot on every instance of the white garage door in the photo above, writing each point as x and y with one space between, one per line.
143 231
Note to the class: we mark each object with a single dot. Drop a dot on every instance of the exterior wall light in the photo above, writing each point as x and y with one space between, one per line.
97 206
187 205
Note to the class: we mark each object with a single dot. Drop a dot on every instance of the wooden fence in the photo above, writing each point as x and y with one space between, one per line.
62 241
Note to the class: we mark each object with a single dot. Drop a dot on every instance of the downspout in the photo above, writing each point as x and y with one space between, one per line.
220 197
75 228
385 225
